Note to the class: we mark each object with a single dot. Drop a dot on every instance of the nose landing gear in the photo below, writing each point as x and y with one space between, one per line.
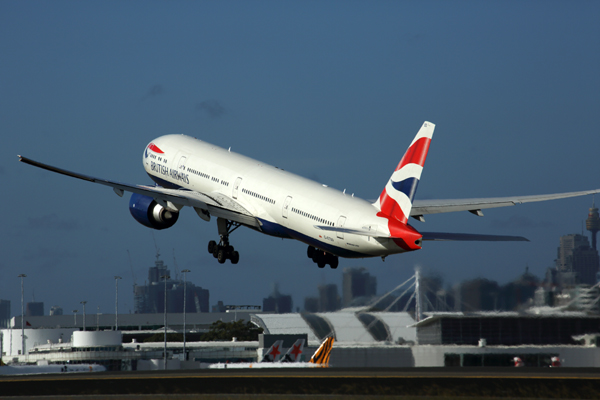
223 250
322 258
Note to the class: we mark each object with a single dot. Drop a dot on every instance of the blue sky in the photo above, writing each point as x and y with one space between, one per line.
333 91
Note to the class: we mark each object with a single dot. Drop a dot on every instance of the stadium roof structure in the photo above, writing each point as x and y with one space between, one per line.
347 327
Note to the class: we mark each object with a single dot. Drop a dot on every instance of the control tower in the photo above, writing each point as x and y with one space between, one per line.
592 223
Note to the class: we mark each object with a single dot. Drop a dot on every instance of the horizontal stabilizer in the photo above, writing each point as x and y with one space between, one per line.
472 237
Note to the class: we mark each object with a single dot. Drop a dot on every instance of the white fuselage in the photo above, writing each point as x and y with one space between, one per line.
286 204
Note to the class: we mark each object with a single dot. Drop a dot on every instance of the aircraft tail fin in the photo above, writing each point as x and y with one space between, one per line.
274 352
321 356
294 353
395 201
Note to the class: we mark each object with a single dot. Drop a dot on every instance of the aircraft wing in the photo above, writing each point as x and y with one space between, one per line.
217 204
422 207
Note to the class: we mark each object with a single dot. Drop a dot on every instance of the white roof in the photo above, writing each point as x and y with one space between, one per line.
399 324
347 327
290 324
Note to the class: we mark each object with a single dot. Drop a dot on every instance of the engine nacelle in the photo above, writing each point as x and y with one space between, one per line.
149 213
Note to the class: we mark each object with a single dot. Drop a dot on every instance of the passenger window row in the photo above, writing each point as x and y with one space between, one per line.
258 196
202 174
313 217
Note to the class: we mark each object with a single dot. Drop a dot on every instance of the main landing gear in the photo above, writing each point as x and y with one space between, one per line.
223 250
322 258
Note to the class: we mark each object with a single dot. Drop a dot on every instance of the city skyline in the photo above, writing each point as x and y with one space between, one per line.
324 291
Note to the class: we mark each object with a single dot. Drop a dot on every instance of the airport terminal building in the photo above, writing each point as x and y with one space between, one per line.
362 339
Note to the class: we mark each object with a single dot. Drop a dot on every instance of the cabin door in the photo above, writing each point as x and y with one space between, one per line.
340 224
236 186
286 206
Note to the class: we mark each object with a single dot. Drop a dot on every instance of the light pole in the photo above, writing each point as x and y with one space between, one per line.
83 302
185 271
418 308
75 318
117 302
165 277
22 316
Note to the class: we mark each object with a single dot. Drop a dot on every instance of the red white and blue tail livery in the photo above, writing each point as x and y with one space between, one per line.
396 199
240 191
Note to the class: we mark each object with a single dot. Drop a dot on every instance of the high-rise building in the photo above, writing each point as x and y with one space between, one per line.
592 223
568 243
219 307
4 313
34 309
56 310
585 265
358 286
577 262
150 298
329 299
277 302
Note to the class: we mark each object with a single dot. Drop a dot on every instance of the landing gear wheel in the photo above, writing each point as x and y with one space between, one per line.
211 246
322 258
221 256
315 257
334 262
223 251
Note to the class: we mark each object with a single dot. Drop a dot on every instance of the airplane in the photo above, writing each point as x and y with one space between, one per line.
319 359
240 191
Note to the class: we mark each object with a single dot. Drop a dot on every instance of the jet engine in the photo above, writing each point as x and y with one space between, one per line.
149 213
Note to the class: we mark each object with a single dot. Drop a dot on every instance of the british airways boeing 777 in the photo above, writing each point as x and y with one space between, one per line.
240 191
